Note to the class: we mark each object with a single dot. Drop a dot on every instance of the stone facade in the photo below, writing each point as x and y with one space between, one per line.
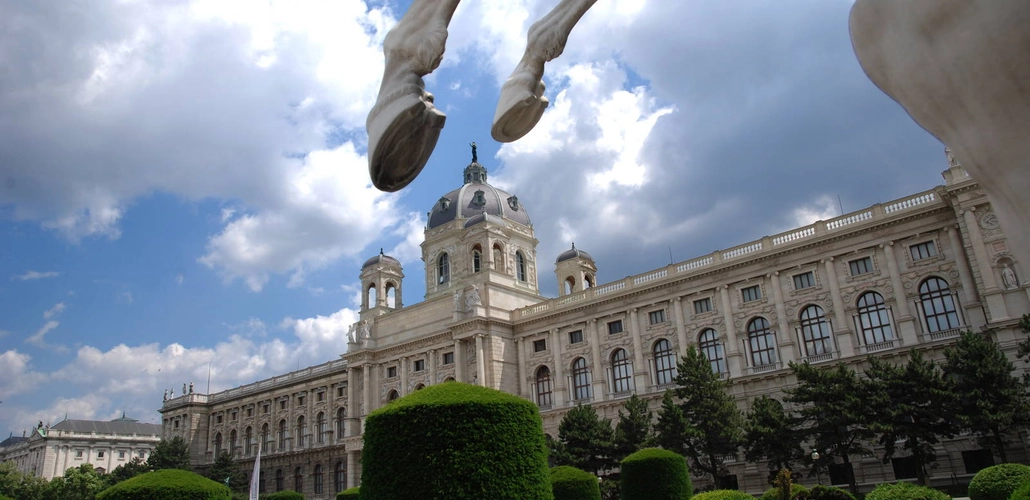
906 274
49 451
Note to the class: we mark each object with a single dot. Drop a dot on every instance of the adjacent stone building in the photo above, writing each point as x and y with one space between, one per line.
910 273
49 451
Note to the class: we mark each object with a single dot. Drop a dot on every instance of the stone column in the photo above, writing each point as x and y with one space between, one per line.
600 389
639 366
459 362
841 327
905 321
733 356
962 265
480 361
353 411
432 367
519 369
784 338
353 472
995 300
681 329
366 381
559 370
402 365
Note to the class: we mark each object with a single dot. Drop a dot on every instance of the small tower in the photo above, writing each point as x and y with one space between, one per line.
380 285
575 270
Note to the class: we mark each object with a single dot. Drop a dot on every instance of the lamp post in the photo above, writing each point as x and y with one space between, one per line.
815 465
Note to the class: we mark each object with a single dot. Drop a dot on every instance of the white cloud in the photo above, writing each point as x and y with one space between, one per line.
179 279
54 311
16 374
822 208
35 275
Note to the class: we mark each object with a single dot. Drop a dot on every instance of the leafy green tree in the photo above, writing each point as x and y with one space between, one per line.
170 454
584 441
833 414
769 435
991 400
633 430
15 484
79 483
910 403
671 427
714 422
1024 346
128 470
225 470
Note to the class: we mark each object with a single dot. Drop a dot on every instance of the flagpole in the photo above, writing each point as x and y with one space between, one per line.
256 476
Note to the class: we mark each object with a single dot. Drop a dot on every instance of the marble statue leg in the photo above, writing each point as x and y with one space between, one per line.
961 69
522 99
404 125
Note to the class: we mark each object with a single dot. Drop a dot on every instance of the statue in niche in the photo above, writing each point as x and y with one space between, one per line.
365 332
404 124
351 333
1008 277
472 299
457 301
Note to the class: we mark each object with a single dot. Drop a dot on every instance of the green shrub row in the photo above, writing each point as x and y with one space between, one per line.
348 494
455 440
655 474
796 490
723 495
905 491
998 482
284 495
167 484
570 483
823 492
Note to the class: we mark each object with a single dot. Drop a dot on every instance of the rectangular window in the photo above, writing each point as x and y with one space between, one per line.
751 293
656 317
218 419
234 416
282 404
121 454
923 250
391 372
265 408
250 412
576 336
420 365
615 327
339 391
540 345
100 454
448 358
300 400
175 424
804 280
861 266
320 396
78 453
703 305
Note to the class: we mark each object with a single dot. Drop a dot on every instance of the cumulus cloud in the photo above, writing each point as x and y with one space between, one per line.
54 311
35 275
17 375
37 339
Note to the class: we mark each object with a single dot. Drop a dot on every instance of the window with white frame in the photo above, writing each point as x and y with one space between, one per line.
804 280
614 327
443 269
656 317
664 362
702 306
751 293
923 250
520 266
873 319
420 365
580 380
622 371
708 342
575 336
815 331
543 386
762 342
938 305
448 358
860 266
539 345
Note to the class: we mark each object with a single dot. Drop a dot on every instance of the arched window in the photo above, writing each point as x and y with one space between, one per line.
815 331
449 379
419 387
232 442
762 342
477 259
248 440
298 480
520 266
317 476
266 438
570 285
282 435
391 294
443 269
370 295
393 395
279 480
300 431
218 444
873 319
622 371
340 475
710 346
588 281
664 362
938 305
580 380
323 427
543 386
341 419
498 254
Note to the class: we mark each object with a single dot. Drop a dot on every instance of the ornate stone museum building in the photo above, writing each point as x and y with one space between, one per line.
909 273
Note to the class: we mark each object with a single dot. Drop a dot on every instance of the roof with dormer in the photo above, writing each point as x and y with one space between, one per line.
476 197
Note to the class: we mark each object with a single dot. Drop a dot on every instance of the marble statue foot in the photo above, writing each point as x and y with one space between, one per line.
402 133
520 107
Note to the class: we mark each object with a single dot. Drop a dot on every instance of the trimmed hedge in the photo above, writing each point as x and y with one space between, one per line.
723 495
2 497
455 440
905 491
570 483
823 492
796 492
167 484
348 494
1021 493
654 473
284 495
998 482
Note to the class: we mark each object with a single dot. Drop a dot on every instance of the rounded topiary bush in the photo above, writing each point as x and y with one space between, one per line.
284 495
796 491
167 484
570 483
348 494
1021 493
723 495
654 473
823 492
455 440
905 491
998 482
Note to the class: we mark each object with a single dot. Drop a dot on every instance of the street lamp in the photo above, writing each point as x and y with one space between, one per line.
815 464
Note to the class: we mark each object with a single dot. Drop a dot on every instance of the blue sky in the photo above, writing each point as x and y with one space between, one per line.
184 186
